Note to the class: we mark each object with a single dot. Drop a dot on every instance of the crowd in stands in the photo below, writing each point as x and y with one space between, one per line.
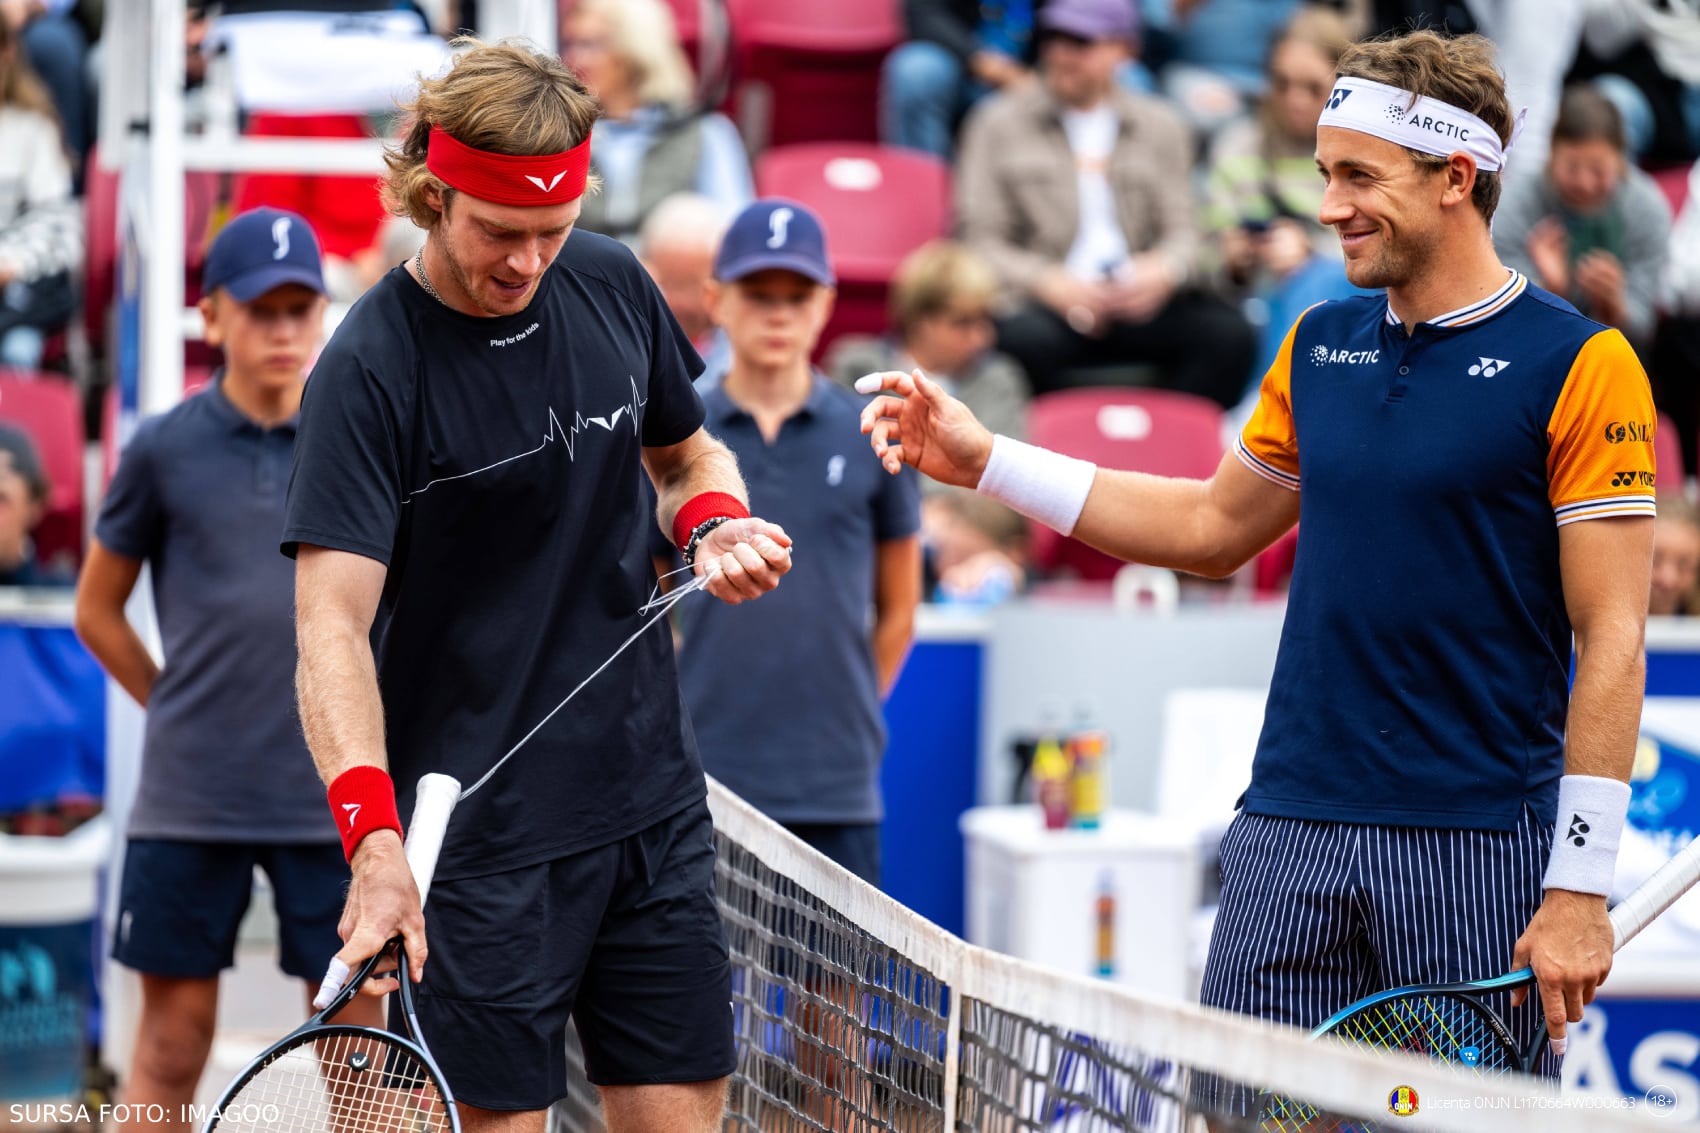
1132 194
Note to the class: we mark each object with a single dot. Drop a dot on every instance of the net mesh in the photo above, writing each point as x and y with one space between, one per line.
337 1082
853 1013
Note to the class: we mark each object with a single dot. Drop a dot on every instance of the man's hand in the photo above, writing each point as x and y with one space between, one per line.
1141 289
1599 275
1569 945
383 903
743 558
925 427
1081 304
1549 251
996 69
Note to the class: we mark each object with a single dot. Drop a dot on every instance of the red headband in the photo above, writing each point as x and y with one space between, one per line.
552 179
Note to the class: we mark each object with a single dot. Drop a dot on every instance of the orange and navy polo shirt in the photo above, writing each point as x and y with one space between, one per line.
1423 672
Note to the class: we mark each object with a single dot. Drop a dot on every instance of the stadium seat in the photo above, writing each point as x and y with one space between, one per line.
878 204
47 407
1141 430
808 70
1675 181
1667 455
203 212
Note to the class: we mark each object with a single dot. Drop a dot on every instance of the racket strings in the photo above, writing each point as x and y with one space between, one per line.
342 1083
657 607
1446 1027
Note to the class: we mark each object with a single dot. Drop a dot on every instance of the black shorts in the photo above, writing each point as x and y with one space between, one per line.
181 903
626 939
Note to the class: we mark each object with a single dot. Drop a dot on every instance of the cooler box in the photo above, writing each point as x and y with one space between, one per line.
1038 894
49 894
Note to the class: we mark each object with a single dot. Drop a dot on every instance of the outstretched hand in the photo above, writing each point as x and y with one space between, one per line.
915 422
743 559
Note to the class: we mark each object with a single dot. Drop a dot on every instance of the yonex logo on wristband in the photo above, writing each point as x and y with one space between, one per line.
1578 832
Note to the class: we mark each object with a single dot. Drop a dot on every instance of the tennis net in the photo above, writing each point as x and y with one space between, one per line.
854 1013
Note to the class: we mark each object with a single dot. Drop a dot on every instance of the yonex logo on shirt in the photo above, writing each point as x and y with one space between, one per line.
1322 356
1488 367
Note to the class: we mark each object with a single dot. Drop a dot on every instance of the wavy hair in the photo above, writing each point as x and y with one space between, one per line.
507 98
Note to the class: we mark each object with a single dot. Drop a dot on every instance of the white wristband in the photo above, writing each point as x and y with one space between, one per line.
1591 813
1038 483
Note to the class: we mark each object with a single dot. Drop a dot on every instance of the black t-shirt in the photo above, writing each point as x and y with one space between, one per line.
494 465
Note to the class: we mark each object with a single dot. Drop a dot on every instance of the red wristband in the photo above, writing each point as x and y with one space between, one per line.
705 505
363 800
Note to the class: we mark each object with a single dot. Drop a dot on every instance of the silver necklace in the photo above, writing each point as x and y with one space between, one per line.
425 280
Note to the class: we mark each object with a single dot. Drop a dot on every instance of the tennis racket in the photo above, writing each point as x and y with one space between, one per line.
326 1077
1451 1022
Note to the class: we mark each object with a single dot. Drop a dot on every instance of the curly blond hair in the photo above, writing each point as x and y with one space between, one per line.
507 98
1458 70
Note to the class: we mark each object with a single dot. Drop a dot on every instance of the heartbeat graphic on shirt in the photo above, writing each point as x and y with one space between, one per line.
557 433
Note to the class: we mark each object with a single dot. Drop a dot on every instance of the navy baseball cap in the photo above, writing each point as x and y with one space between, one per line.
774 233
1091 20
262 249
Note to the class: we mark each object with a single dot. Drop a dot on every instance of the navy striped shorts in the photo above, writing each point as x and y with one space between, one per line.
1316 915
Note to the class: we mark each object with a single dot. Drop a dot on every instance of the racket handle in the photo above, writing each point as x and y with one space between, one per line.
434 801
1655 895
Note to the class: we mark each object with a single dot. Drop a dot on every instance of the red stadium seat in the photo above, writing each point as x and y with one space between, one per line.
1674 180
203 213
808 70
1667 455
878 204
47 407
1141 430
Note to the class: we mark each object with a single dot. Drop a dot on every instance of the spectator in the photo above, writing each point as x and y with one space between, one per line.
23 501
941 315
1594 228
1675 366
652 141
958 51
1264 195
976 548
1216 54
814 762
676 245
1676 557
1077 193
227 783
1644 55
56 48
41 234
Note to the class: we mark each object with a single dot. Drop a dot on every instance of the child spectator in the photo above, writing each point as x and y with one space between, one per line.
227 782
23 500
1676 557
941 317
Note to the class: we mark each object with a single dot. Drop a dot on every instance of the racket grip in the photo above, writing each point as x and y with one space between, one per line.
434 801
1655 895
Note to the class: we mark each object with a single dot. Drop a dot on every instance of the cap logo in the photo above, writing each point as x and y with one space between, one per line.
777 225
549 186
280 237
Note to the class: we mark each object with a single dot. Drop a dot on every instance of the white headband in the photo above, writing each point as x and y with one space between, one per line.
1426 125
